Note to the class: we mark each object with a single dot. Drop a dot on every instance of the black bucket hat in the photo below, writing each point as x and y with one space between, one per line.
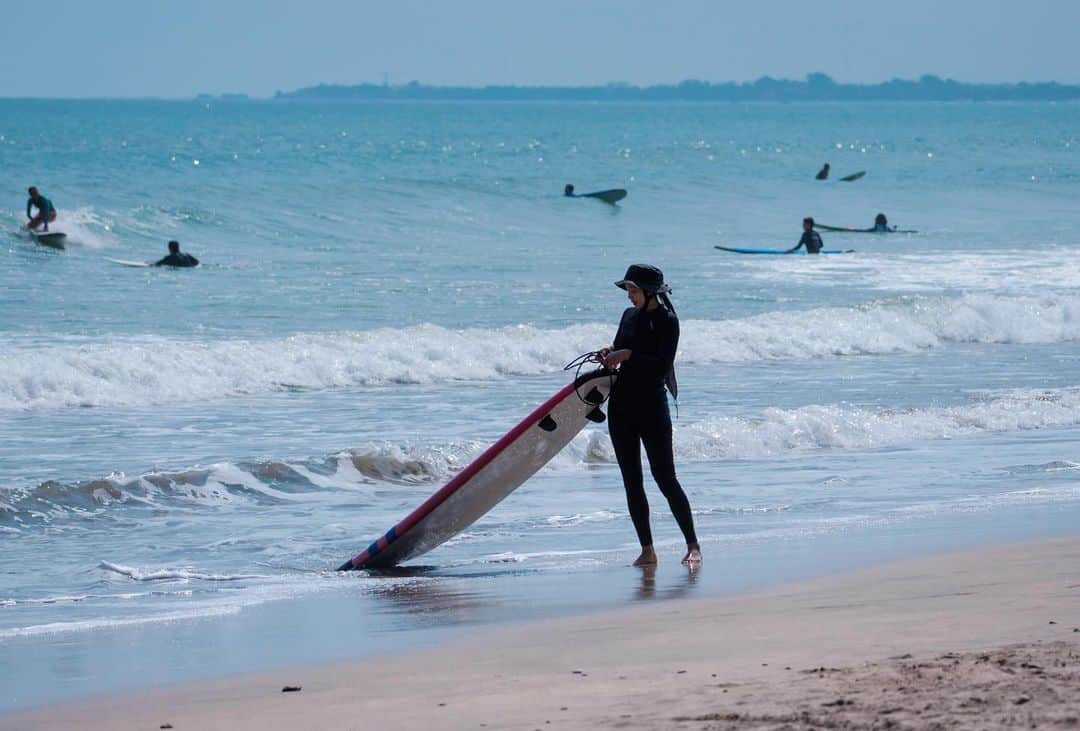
644 277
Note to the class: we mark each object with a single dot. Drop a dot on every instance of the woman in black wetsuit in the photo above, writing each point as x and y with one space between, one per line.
644 353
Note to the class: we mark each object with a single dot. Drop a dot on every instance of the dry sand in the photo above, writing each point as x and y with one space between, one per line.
981 639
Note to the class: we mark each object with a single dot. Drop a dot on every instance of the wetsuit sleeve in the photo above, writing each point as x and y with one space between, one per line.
29 205
194 261
623 335
161 262
657 363
802 242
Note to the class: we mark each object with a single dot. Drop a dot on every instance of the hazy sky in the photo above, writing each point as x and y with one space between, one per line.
128 48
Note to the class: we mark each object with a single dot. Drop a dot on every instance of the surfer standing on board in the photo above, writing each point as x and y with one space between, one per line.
811 239
644 353
46 213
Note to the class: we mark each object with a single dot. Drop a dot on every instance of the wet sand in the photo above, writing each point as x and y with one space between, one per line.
979 639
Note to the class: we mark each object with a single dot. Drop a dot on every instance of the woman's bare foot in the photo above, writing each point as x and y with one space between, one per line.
693 555
647 557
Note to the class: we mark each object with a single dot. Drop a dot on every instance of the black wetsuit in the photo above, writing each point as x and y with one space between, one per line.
638 413
177 260
811 240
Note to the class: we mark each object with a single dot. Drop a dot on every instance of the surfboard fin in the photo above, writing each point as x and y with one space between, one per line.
594 396
596 415
547 423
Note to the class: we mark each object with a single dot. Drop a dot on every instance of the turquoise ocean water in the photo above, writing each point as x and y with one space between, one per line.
387 288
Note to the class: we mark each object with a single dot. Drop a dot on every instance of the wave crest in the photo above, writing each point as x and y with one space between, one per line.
160 370
774 433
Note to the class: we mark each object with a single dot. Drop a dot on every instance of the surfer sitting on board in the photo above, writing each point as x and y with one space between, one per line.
823 174
176 258
881 224
46 213
644 353
810 238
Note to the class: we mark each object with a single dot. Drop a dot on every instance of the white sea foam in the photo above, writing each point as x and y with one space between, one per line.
572 521
52 628
1016 271
768 434
172 574
84 227
216 604
161 370
776 432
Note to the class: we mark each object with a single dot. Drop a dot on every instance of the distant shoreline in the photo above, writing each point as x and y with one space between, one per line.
816 87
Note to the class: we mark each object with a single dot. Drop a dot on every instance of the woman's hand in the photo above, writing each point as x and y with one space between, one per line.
612 358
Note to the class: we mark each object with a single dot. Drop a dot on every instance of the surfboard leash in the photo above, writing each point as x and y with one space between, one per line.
577 365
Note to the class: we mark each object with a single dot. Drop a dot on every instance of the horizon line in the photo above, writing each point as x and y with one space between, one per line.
819 80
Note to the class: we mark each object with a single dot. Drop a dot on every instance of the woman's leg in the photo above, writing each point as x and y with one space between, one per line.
627 444
657 438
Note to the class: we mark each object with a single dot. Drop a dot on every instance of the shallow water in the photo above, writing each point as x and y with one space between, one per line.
386 288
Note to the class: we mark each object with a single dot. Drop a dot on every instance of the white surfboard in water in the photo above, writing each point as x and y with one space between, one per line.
129 263
493 475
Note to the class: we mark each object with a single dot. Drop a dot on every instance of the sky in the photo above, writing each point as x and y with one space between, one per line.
176 49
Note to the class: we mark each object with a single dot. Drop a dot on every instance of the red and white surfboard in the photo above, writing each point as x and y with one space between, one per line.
493 475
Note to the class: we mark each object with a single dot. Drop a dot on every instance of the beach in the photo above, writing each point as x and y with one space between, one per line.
984 638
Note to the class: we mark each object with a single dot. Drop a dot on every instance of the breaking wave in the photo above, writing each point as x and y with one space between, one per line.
155 370
353 475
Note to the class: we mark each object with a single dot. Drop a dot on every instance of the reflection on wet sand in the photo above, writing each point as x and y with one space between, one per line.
427 597
681 588
433 601
432 598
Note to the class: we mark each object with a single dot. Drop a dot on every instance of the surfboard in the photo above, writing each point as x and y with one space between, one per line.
493 475
781 252
55 239
127 263
612 196
841 229
853 176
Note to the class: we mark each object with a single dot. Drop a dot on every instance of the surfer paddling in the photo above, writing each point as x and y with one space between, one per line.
46 213
177 258
644 354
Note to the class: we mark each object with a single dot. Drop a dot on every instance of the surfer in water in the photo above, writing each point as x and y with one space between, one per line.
811 239
568 191
46 213
823 174
644 354
881 224
176 258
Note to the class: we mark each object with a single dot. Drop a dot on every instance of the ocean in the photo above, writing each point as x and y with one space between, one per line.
386 288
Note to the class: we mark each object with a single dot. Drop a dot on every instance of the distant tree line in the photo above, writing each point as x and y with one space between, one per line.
816 87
